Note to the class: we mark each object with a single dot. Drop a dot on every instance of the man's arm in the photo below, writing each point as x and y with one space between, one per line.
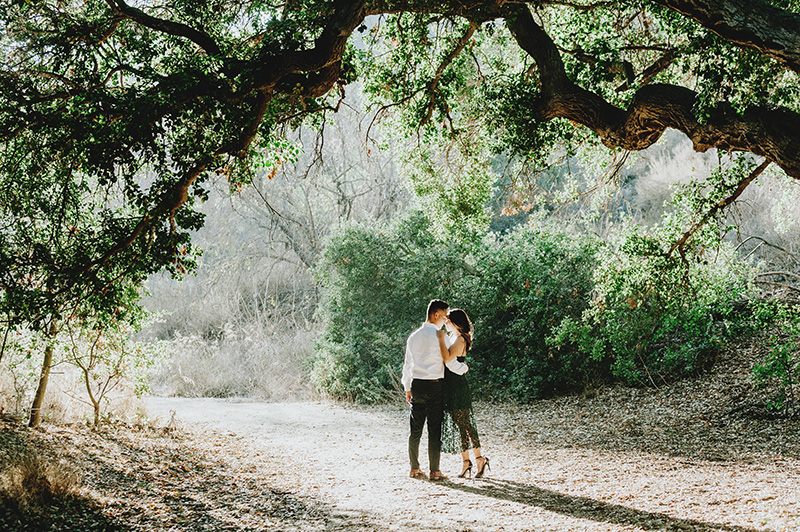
459 368
408 366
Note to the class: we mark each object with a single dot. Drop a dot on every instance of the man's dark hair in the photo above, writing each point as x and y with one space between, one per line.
436 304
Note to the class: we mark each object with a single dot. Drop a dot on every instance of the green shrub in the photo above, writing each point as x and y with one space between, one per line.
378 281
530 280
656 316
553 310
780 367
376 284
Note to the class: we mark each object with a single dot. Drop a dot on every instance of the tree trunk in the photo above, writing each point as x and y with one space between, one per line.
38 399
5 340
87 379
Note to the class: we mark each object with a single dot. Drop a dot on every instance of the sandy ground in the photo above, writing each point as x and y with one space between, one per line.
565 465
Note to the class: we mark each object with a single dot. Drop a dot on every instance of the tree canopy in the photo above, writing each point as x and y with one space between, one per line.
114 115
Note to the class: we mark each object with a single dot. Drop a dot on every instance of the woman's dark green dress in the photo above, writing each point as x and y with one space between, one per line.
458 427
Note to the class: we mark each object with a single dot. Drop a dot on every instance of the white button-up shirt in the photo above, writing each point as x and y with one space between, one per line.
424 357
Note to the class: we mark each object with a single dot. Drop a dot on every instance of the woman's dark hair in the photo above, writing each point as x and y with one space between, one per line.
462 322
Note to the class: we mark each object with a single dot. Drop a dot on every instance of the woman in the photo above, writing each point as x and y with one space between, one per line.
458 428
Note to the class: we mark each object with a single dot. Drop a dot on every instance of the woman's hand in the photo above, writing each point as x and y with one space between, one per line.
440 334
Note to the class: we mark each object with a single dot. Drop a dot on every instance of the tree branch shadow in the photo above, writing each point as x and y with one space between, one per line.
588 508
164 487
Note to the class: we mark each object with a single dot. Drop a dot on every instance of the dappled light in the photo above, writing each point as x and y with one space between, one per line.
221 223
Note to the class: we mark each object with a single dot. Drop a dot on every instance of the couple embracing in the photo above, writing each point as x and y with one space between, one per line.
436 388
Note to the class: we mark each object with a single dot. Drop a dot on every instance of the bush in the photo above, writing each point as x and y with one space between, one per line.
779 369
657 317
554 310
377 282
529 281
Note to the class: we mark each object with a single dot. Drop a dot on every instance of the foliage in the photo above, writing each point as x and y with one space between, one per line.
653 318
106 356
529 281
376 284
667 297
781 365
553 311
238 363
100 347
516 288
114 118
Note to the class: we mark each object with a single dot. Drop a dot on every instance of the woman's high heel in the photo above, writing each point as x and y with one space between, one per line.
483 468
467 470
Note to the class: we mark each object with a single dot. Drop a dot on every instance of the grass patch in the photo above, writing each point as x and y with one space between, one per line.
41 490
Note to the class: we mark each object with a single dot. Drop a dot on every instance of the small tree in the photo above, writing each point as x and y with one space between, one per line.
105 354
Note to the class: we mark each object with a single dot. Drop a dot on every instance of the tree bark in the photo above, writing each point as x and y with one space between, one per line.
5 340
38 399
753 24
772 133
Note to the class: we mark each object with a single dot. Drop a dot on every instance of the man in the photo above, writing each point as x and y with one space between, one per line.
423 377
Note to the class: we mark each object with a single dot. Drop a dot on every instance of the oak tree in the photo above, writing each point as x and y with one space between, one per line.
114 115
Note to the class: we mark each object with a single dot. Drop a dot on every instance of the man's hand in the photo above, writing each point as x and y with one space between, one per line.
408 396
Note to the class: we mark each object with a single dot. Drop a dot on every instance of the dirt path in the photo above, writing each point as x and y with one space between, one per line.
563 467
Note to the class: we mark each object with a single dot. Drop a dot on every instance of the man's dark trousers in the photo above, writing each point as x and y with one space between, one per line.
426 404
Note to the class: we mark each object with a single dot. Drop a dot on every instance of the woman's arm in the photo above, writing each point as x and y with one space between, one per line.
440 334
455 350
458 349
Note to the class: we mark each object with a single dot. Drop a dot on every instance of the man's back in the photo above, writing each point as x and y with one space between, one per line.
423 356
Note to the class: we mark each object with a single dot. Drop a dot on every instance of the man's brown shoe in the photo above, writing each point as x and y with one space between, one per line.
417 473
437 475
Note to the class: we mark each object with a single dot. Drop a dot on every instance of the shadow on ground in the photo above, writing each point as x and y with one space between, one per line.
160 482
587 508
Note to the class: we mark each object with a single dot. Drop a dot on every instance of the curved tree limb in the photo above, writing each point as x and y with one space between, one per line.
321 61
766 243
785 273
460 45
754 24
781 285
310 73
200 38
773 133
742 185
770 133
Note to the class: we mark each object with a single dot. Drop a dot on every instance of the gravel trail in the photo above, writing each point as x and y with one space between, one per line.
564 465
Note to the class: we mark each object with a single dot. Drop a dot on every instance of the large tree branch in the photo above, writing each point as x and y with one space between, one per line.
773 133
432 86
200 38
320 62
308 73
717 207
754 24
